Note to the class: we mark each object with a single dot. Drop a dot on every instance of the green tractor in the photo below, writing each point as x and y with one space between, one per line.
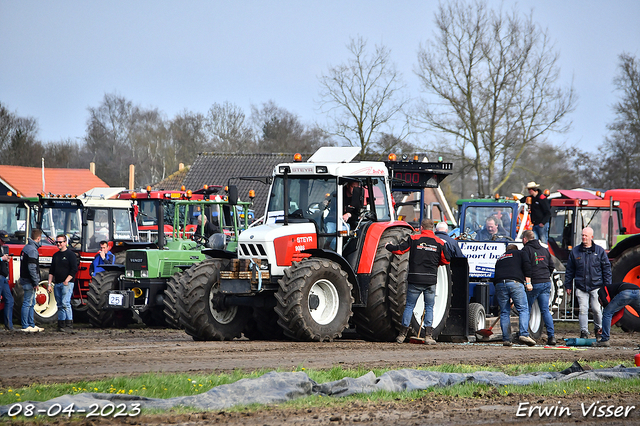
149 282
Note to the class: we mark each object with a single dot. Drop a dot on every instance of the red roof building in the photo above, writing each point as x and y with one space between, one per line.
29 183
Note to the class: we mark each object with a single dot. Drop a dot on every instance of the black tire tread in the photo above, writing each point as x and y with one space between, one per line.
99 286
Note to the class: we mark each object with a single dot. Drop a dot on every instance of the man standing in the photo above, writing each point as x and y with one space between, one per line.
426 253
589 266
513 269
541 272
451 245
64 266
5 290
104 257
621 295
540 211
29 279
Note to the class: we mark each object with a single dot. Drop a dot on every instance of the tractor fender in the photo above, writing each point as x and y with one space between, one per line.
629 242
371 241
351 274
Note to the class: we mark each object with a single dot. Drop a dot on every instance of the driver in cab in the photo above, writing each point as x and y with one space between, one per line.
491 231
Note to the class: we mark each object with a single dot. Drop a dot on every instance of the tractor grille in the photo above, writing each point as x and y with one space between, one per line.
170 268
252 250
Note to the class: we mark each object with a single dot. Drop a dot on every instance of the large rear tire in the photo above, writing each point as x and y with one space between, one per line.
381 319
97 296
627 268
202 320
314 300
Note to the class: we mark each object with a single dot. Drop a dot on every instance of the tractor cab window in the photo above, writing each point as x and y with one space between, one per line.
122 229
310 198
97 228
13 220
598 219
63 220
147 213
561 228
483 222
380 202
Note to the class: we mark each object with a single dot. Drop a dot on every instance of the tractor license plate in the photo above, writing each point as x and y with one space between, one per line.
116 299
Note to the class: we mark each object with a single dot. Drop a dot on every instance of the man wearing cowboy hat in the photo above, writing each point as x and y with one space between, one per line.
540 211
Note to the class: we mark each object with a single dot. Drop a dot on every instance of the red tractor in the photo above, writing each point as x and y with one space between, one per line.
615 219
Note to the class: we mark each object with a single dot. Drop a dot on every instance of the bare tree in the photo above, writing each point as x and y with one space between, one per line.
492 81
19 145
228 129
279 130
364 97
621 148
188 136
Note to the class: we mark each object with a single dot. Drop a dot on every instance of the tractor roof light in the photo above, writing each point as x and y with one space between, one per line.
10 194
205 187
393 157
182 188
189 193
584 202
616 203
252 194
496 196
18 194
415 157
598 194
547 192
134 195
297 157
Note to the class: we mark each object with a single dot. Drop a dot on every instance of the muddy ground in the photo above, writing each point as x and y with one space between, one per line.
92 354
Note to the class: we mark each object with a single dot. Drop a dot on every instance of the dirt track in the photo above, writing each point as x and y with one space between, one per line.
92 354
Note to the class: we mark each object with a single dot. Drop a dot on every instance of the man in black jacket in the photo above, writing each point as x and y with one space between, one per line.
541 272
540 211
426 253
513 269
621 295
450 244
64 266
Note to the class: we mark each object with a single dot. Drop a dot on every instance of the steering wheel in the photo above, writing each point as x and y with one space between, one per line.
313 208
199 239
74 240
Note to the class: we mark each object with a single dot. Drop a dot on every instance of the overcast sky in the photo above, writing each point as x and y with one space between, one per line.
60 57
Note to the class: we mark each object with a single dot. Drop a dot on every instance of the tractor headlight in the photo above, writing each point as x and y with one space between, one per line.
129 274
144 274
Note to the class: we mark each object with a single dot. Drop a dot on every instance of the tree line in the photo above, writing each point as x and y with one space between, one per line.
491 96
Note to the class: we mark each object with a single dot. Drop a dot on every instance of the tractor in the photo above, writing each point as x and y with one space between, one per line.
146 283
482 252
308 271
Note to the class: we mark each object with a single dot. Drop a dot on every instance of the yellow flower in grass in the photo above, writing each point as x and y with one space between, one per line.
17 394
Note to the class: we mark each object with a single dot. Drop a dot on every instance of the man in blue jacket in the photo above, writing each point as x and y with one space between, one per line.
104 257
589 267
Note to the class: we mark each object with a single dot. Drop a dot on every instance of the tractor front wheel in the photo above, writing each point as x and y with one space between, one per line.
97 297
314 300
203 319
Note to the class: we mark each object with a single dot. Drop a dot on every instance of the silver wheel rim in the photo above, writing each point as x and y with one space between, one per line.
535 318
328 301
222 317
480 321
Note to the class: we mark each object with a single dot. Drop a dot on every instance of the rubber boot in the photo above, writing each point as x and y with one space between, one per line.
61 326
428 340
402 335
68 328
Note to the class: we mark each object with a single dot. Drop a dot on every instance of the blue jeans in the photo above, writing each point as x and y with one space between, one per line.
542 233
26 314
413 293
63 295
622 299
513 290
541 293
7 297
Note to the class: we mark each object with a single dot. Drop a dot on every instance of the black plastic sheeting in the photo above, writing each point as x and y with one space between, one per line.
281 387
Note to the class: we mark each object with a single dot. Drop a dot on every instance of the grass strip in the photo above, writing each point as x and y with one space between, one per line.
171 385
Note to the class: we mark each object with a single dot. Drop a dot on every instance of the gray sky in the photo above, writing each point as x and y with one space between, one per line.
60 57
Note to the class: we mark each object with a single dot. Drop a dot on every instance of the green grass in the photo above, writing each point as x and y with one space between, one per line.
172 385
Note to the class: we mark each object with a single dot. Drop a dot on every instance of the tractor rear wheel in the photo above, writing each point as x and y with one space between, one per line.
627 268
314 300
382 318
99 288
203 320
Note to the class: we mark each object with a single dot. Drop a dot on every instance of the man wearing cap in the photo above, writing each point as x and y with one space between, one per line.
5 291
540 211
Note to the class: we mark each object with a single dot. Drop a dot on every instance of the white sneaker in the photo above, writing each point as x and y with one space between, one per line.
38 329
30 330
